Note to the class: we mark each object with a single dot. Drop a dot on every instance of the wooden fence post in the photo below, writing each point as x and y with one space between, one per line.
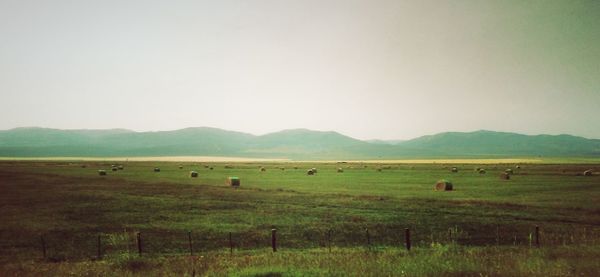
43 246
497 235
537 236
139 243
274 239
190 243
230 244
407 238
99 248
329 240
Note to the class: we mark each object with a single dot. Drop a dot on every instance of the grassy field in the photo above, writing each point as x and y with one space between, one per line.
486 225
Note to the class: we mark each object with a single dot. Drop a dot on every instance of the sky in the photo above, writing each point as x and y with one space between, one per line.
370 69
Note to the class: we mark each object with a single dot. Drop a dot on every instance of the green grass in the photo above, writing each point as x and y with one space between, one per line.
453 232
438 260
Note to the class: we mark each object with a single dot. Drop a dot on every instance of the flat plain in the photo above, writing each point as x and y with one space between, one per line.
62 218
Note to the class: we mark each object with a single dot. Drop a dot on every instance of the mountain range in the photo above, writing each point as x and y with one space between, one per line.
293 144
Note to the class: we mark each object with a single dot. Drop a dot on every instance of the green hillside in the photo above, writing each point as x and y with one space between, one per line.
501 143
293 144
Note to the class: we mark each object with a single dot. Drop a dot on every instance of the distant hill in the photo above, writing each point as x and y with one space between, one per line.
294 144
501 143
303 142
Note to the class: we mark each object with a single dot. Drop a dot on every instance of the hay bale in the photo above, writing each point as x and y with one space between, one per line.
505 176
508 171
314 170
120 167
211 168
454 170
310 172
340 170
114 168
262 169
156 169
518 167
181 167
193 174
443 185
102 172
588 172
481 171
233 181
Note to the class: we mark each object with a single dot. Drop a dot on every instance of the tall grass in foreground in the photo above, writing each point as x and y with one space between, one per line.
437 260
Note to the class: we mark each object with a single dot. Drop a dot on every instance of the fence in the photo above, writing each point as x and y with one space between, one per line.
65 245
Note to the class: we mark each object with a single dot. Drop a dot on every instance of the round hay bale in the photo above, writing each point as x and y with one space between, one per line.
314 170
233 181
156 169
508 171
454 170
481 171
340 170
310 172
120 167
518 167
505 176
193 174
114 169
443 185
262 169
102 172
588 172
181 167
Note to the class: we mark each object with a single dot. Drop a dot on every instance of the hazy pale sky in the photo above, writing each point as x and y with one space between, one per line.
368 69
